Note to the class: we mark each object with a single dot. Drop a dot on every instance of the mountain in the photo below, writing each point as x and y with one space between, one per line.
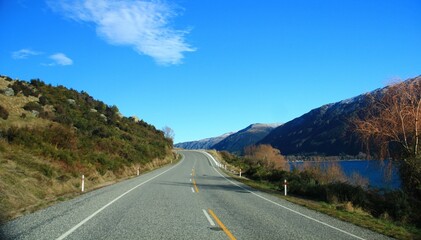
322 131
250 135
326 130
206 143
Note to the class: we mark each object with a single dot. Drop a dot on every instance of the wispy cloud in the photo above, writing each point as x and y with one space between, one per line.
58 58
24 53
61 59
144 25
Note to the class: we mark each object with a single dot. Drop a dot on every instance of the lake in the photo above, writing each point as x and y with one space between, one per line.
375 171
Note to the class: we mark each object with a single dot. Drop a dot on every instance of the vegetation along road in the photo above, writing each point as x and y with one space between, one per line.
192 199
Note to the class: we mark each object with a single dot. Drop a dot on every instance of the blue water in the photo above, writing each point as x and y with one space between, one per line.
378 173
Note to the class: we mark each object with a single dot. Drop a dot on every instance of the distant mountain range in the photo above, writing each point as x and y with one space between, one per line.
250 135
232 142
206 143
324 131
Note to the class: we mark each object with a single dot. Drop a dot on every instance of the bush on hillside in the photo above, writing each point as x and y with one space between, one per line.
20 86
60 136
43 100
22 136
33 106
4 113
6 78
37 83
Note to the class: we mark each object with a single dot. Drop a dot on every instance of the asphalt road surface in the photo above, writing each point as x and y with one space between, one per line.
192 199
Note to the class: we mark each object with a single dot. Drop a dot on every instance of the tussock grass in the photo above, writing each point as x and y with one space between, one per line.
26 186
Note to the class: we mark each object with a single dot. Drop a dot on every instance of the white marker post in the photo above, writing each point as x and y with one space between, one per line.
137 172
83 183
285 187
240 172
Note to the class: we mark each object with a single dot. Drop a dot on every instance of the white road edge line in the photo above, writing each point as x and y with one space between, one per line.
70 231
210 156
209 218
287 208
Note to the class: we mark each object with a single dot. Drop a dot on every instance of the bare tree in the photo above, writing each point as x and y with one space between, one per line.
391 123
168 132
393 118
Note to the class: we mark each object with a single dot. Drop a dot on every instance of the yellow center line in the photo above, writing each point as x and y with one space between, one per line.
194 182
195 186
221 225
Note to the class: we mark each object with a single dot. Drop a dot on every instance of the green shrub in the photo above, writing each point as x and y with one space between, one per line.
22 136
277 176
37 83
395 203
31 106
66 157
63 119
46 170
102 132
3 113
398 205
60 136
345 192
20 86
43 100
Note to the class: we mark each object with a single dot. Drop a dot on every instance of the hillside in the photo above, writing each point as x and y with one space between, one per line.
49 136
250 135
326 130
206 143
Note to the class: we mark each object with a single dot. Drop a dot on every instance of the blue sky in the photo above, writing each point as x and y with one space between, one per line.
207 67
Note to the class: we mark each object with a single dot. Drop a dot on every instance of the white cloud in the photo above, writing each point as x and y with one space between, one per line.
25 53
60 59
142 24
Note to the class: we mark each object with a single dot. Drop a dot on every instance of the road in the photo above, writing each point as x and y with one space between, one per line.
192 199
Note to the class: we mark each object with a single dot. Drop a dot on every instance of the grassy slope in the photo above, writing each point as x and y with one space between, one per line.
29 183
34 173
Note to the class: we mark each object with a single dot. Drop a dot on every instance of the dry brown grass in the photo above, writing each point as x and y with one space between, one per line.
4 83
24 189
